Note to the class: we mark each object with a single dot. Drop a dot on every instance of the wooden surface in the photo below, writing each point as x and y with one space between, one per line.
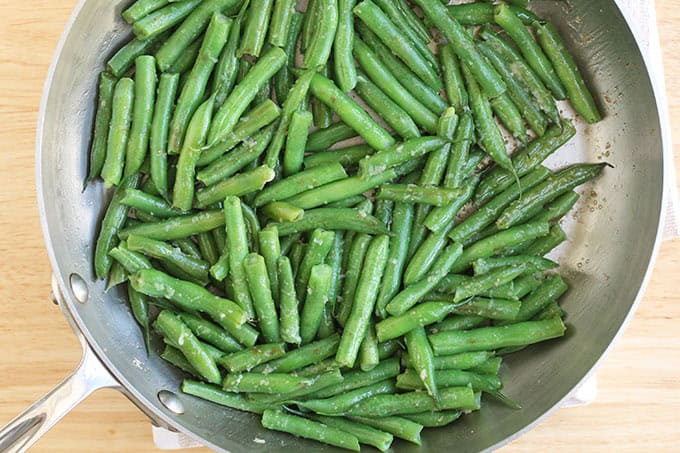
638 403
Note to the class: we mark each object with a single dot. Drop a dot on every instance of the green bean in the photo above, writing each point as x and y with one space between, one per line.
516 91
494 244
309 429
387 109
453 79
241 184
400 22
402 224
410 193
353 269
320 244
423 314
302 356
458 155
364 300
365 434
345 71
394 68
545 244
288 302
487 338
319 47
490 136
243 94
317 297
248 359
368 351
424 281
122 60
320 382
183 189
197 81
218 396
117 275
446 126
562 182
175 357
255 28
393 88
380 24
283 78
252 227
237 244
114 219
119 130
404 403
177 227
131 261
398 426
160 19
335 219
270 248
484 265
434 419
535 57
479 13
207 248
196 269
557 208
158 137
190 29
298 132
484 282
525 160
539 298
226 69
264 383
142 201
509 116
209 332
311 16
489 308
334 259
300 182
388 349
378 163
188 246
297 252
457 323
487 214
338 190
462 361
353 380
142 8
524 285
325 138
410 380
491 366
440 219
463 46
185 62
422 359
551 310
567 71
245 154
282 14
350 112
282 212
523 72
177 332
107 84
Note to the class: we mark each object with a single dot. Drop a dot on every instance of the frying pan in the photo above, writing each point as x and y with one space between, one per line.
613 241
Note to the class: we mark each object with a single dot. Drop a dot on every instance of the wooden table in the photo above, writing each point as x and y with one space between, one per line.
638 403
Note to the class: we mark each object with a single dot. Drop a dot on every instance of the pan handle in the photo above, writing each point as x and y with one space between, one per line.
90 375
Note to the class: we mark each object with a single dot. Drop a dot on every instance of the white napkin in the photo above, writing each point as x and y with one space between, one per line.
641 17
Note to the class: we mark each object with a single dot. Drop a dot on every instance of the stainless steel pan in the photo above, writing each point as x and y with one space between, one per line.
613 242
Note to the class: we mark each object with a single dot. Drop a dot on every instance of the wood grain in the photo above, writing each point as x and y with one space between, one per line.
638 405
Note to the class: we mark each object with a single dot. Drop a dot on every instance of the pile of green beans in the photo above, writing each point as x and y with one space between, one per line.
351 293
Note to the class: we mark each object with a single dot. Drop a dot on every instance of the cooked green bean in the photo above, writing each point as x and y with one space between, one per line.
119 131
282 212
289 322
302 356
353 380
243 94
462 140
551 310
248 359
350 112
491 366
283 78
567 71
142 201
440 220
480 13
117 275
463 398
158 137
364 300
238 185
260 291
519 33
282 15
131 261
113 221
196 269
545 244
410 193
462 361
319 47
107 85
237 244
457 323
178 332
353 270
489 338
489 308
345 71
509 116
423 314
280 421
318 247
177 227
344 156
122 60
325 138
562 182
142 8
380 162
453 78
175 357
265 383
434 419
410 380
422 359
339 190
548 292
299 183
255 28
365 434
210 333
317 297
296 141
158 20
216 395
400 427
484 265
369 356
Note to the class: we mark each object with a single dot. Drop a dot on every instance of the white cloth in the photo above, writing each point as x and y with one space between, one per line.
641 17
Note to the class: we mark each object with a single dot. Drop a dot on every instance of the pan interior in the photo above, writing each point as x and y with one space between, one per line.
611 237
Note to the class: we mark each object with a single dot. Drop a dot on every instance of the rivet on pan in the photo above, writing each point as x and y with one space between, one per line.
171 401
79 288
